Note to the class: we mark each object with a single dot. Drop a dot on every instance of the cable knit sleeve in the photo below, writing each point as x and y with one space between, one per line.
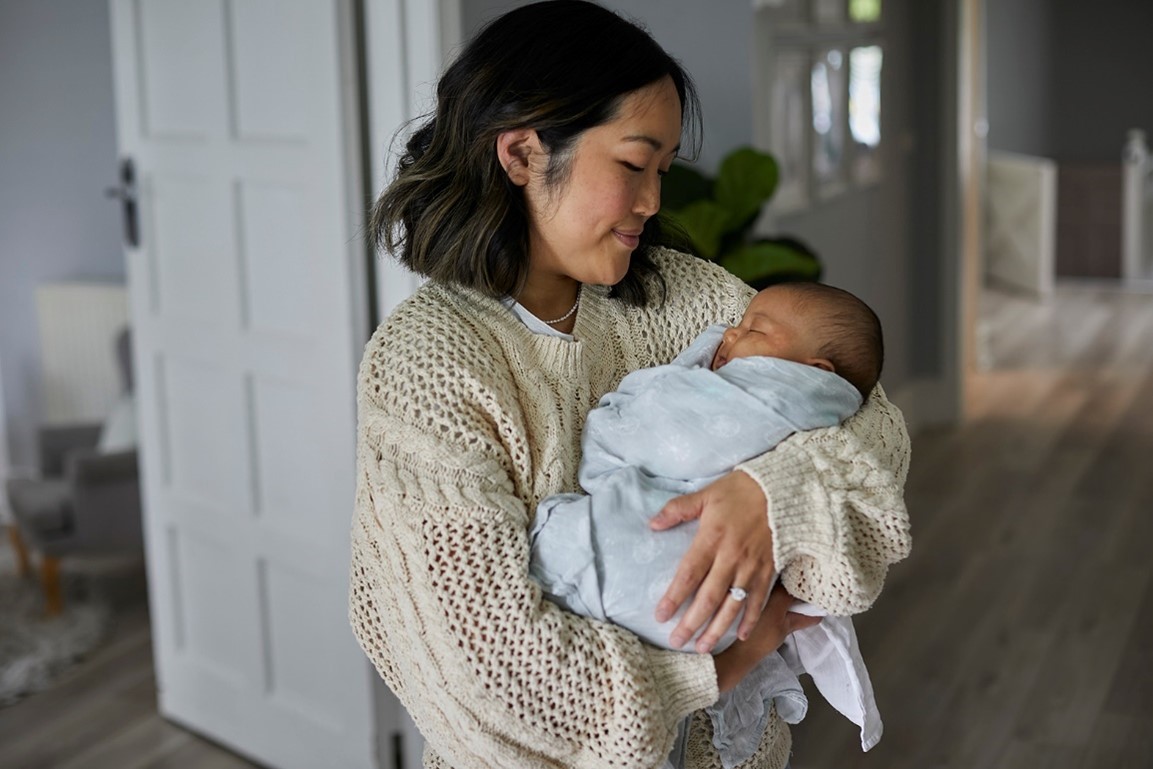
836 506
440 596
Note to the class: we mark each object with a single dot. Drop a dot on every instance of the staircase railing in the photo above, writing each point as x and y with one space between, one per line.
1137 208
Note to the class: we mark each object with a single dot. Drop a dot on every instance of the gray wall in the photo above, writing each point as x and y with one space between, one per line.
1019 51
1102 59
932 262
57 153
1067 79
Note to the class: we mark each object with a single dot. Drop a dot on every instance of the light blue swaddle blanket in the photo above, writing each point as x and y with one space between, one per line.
666 431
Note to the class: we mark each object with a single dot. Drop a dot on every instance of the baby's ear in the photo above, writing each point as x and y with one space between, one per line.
822 363
514 150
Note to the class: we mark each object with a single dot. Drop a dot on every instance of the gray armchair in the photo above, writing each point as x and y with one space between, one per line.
85 501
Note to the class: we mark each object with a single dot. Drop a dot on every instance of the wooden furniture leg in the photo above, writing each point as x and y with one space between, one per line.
21 551
50 581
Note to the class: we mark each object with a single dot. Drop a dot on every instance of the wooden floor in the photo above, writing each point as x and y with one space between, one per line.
102 715
1019 635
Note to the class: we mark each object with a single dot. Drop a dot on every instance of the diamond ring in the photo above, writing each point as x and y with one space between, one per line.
738 594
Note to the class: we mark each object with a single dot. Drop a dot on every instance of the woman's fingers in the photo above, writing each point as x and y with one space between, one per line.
733 541
758 599
693 568
709 598
677 511
745 603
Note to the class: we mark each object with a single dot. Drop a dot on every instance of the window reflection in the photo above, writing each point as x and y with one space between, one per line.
827 81
865 109
865 95
789 128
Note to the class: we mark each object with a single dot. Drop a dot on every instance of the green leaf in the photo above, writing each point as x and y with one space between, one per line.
683 185
765 262
705 222
747 179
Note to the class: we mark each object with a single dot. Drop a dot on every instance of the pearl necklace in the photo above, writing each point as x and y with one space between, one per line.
566 316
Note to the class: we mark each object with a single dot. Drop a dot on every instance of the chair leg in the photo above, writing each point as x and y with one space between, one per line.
50 581
21 551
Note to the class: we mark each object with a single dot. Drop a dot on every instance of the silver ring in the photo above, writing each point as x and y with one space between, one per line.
738 594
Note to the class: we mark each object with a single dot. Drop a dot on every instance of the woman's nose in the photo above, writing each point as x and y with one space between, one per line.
648 200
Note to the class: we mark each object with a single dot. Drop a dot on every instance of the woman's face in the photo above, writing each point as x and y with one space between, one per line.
587 227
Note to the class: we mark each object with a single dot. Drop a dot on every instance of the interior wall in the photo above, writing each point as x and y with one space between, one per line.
57 154
1019 51
1102 57
929 281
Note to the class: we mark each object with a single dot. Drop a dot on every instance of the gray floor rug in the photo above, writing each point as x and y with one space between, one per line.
36 650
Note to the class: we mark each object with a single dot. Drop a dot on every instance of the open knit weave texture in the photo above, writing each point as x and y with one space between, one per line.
467 420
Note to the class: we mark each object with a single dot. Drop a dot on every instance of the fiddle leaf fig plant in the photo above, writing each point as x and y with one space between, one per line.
718 215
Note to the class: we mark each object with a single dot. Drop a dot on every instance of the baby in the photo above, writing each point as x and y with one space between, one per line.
804 356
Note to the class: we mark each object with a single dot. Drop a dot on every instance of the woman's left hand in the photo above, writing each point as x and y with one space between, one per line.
732 548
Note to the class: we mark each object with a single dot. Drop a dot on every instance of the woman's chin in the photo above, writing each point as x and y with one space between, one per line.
617 272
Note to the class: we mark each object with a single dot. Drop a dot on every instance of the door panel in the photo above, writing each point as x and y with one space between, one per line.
249 308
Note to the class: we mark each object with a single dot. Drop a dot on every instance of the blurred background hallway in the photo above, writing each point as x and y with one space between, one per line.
1020 632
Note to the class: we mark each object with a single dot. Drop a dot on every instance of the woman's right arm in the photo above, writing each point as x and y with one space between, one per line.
492 674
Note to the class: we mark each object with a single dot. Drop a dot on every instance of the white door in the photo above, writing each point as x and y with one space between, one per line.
249 310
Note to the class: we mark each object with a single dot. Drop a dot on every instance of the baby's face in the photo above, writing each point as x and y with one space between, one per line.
772 326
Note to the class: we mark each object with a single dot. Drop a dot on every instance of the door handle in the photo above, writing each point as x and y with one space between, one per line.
125 192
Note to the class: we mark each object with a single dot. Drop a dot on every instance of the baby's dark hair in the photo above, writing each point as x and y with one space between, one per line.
849 329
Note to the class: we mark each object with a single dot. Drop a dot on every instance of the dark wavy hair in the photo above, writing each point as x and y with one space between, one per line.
560 68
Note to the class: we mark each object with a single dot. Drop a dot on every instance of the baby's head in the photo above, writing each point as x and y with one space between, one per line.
810 323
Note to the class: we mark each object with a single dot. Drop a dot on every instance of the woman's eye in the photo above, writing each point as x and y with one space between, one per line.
661 172
631 167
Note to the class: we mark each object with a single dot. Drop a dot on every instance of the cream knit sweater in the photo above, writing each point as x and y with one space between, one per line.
467 419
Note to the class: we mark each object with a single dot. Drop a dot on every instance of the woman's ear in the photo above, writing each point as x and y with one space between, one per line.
515 150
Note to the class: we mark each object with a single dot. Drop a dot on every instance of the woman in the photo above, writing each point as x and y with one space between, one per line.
529 201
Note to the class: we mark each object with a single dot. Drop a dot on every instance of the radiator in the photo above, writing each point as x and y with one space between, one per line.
78 327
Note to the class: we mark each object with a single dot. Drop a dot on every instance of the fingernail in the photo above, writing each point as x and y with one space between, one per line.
677 640
703 648
743 635
662 613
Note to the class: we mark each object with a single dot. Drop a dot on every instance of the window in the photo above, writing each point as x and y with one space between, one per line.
819 95
865 111
827 81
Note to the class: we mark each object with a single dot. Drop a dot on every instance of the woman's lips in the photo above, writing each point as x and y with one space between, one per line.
630 239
